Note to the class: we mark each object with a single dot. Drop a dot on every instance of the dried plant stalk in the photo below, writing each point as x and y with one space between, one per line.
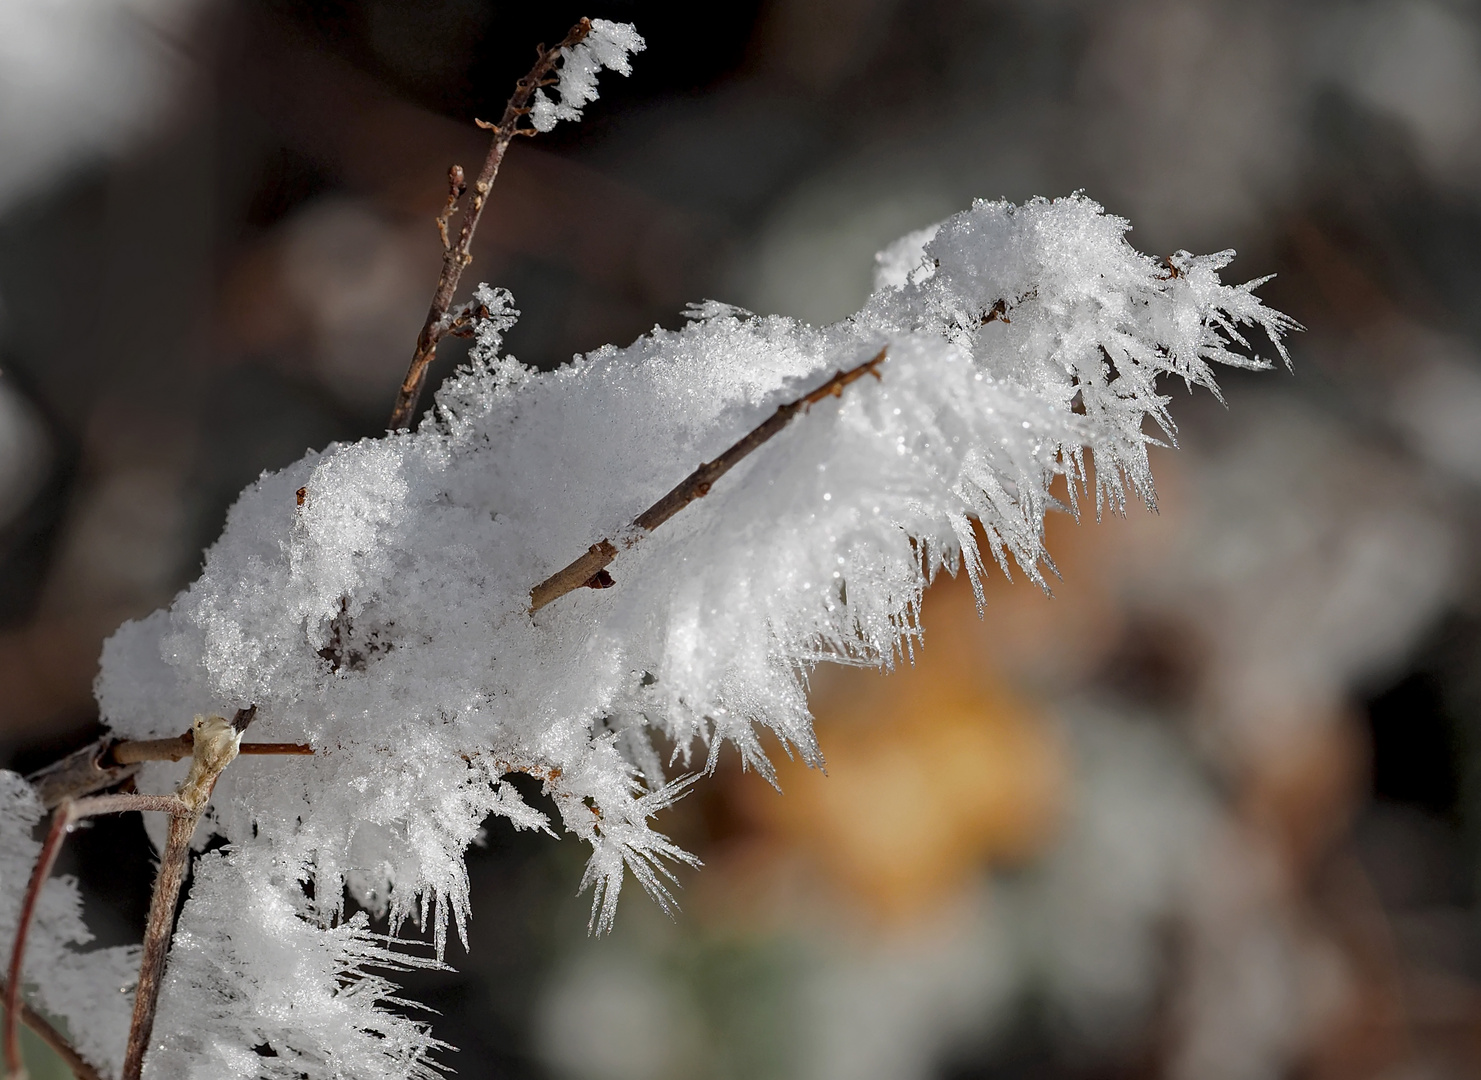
157 933
457 256
214 744
109 762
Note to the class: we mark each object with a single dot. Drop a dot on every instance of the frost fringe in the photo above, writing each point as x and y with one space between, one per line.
373 599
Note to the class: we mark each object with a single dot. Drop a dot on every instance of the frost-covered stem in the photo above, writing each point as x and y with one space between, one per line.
590 569
214 745
157 939
457 256
62 821
43 1029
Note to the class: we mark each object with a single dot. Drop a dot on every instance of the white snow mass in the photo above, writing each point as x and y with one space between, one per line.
373 598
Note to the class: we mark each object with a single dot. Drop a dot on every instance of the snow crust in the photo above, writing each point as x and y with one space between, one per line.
372 599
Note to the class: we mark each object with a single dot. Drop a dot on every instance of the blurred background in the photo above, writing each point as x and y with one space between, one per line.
1213 811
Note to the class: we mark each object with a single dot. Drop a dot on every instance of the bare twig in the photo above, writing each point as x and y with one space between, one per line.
215 747
43 1028
457 256
128 753
61 821
157 939
107 763
66 816
589 570
214 744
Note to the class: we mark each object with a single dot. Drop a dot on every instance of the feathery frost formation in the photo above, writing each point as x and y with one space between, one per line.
372 599
607 45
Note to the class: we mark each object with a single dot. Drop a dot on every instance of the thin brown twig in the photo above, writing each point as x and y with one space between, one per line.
107 763
457 256
589 570
43 1028
62 820
214 744
161 924
215 747
135 751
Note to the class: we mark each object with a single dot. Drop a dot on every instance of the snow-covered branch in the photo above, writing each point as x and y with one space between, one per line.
374 599
589 570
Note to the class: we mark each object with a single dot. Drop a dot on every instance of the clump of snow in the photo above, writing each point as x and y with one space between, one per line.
904 261
607 45
372 599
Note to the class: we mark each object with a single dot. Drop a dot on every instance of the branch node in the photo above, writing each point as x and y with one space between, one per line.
456 185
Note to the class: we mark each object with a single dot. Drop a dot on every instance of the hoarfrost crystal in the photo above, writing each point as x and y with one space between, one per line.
607 45
383 617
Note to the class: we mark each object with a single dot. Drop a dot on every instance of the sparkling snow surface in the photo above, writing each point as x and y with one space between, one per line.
383 616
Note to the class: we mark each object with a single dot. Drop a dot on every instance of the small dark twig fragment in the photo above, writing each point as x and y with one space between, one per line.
243 718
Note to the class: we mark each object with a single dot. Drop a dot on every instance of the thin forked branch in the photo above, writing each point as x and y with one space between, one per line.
457 255
590 569
214 745
62 821
109 762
